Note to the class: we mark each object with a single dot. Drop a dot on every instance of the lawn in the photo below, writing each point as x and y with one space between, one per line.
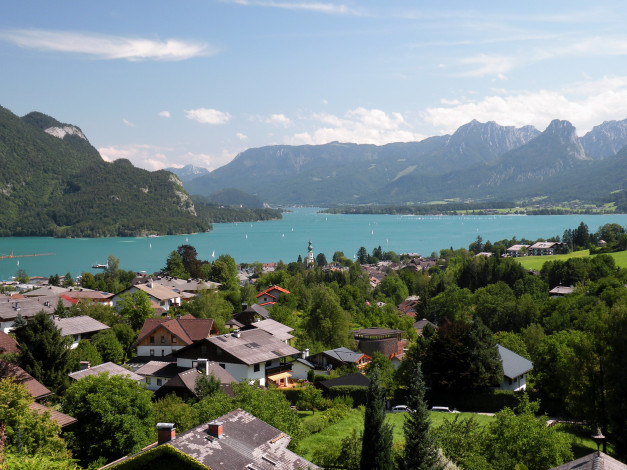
536 262
334 434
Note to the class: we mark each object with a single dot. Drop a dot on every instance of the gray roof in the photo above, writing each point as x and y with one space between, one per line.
247 442
593 461
10 307
513 364
107 367
253 346
275 328
344 354
305 362
158 369
78 325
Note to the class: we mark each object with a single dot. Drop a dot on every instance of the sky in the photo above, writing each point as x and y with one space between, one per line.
165 83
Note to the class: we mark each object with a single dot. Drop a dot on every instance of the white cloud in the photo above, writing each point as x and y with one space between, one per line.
360 125
127 123
208 116
483 65
152 157
584 104
279 120
107 47
165 114
241 136
318 7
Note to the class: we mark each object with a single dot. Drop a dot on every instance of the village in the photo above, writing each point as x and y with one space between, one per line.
287 329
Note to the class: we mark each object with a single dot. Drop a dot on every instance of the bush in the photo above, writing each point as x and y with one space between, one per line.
355 392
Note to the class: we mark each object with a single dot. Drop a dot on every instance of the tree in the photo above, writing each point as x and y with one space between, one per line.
21 276
113 264
68 280
327 321
616 365
174 266
173 409
362 255
86 351
108 346
54 280
19 321
26 430
393 288
45 353
385 370
59 310
321 260
376 450
224 271
462 357
191 263
135 308
126 337
310 399
420 452
115 417
207 385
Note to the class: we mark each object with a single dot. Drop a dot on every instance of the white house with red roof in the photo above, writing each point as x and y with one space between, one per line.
271 295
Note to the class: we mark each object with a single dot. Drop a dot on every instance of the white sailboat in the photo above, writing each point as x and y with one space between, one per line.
213 254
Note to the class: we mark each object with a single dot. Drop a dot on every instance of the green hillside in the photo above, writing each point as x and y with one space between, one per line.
58 185
536 262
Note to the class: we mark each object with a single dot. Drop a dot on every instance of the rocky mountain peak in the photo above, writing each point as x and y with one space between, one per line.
605 139
567 135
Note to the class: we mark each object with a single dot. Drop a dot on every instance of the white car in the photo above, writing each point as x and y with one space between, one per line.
443 409
400 408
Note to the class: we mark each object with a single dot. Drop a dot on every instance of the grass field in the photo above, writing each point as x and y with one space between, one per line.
536 262
355 420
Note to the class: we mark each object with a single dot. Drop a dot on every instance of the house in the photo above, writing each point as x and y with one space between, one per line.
301 368
105 368
247 355
271 295
8 345
560 291
515 370
234 441
409 306
78 328
11 307
593 461
386 341
157 373
160 295
545 248
516 251
183 383
248 315
190 286
162 336
420 325
338 357
92 296
276 329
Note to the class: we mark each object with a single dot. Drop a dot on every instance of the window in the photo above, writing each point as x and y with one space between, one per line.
268 363
223 366
152 340
148 380
152 352
256 367
159 382
162 339
174 339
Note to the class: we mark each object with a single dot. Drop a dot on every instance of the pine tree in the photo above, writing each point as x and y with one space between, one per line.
376 450
420 452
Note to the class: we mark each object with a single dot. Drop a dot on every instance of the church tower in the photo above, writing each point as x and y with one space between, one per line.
309 261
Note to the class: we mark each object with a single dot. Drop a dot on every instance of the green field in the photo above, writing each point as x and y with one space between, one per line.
355 420
536 262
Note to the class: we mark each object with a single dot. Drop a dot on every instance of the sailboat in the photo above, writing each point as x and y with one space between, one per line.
213 254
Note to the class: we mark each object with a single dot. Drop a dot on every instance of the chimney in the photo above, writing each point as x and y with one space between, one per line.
244 307
151 285
215 429
85 365
165 432
306 353
237 334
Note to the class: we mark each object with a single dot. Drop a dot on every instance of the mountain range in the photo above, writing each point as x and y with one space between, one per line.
53 182
479 161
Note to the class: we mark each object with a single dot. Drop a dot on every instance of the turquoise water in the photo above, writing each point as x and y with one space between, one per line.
287 238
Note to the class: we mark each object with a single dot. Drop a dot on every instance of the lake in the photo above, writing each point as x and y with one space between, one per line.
287 238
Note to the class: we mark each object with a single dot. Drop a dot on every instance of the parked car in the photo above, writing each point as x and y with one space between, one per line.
443 409
400 408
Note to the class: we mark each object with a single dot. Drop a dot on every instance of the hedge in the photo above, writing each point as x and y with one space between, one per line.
357 393
488 401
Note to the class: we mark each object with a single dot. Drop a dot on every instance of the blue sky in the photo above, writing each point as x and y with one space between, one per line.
167 83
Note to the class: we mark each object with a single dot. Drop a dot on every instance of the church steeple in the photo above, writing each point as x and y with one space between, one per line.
309 261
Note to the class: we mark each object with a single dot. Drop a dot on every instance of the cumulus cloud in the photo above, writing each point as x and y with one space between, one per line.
208 116
153 157
107 47
127 123
242 137
584 104
165 114
279 120
360 125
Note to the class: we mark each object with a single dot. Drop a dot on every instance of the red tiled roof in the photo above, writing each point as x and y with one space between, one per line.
34 387
8 344
72 300
270 289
